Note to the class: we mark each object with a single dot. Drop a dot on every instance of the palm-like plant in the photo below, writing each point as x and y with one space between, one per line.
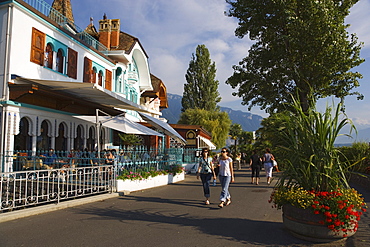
310 159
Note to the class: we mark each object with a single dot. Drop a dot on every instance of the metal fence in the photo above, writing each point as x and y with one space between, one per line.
40 177
33 187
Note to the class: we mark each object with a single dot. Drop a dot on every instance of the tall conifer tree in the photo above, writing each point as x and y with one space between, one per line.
201 87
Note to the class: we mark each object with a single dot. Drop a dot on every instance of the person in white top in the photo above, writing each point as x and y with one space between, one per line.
226 176
206 173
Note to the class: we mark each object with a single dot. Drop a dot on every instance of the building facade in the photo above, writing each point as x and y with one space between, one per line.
63 87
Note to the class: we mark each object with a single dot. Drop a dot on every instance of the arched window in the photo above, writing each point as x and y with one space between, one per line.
133 74
60 61
79 141
61 140
100 78
23 141
43 140
91 139
118 83
49 56
93 75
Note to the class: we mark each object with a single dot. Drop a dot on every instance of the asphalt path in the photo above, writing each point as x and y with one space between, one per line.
172 215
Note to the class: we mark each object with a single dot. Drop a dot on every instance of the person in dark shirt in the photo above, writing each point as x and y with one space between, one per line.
255 164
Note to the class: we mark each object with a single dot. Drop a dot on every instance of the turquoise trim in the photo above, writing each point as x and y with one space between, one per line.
57 45
98 67
56 72
14 103
61 32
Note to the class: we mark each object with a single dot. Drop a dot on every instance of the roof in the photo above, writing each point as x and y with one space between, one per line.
127 43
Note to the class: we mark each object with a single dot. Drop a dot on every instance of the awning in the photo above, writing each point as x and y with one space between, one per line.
163 126
89 92
121 124
205 143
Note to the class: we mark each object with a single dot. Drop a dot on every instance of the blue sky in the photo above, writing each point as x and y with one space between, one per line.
171 30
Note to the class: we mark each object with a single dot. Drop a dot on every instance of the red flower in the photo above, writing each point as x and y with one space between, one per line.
316 212
327 214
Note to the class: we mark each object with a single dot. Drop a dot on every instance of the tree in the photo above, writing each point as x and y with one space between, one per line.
201 88
216 122
301 48
235 133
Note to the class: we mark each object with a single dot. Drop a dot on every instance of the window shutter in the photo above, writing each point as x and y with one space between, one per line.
72 63
37 46
108 80
87 70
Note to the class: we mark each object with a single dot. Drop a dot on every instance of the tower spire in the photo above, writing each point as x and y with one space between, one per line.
64 7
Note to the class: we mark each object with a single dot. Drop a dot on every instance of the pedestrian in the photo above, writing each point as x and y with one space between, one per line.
206 173
255 164
267 162
226 176
216 167
238 161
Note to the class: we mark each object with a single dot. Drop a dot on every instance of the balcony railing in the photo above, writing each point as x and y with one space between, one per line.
63 21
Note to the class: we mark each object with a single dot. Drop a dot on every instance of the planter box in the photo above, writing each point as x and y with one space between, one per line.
134 185
304 224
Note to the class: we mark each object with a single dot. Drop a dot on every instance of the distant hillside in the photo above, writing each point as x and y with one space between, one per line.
248 121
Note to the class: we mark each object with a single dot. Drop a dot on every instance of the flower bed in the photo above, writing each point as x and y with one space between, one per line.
341 209
150 182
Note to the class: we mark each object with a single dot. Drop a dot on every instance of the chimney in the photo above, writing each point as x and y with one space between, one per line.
105 26
115 33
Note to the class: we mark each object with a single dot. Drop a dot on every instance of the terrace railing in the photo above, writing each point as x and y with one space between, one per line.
67 24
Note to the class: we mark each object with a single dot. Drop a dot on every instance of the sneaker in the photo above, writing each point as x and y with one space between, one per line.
206 202
228 202
221 205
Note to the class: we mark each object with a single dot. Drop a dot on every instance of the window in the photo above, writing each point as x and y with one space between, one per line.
93 75
100 78
61 139
43 140
78 140
23 141
59 61
49 56
37 46
118 84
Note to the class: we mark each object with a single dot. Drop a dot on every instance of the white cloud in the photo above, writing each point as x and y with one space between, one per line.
170 31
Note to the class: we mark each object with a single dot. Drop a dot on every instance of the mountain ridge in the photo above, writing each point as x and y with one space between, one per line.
248 121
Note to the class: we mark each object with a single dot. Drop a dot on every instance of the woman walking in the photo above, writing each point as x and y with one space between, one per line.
255 164
226 176
267 162
206 173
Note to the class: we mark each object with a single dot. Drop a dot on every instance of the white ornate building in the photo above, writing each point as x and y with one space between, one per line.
58 81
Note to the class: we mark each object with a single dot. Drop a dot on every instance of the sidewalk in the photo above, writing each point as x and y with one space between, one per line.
172 215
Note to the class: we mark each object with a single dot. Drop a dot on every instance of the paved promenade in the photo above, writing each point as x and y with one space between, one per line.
172 215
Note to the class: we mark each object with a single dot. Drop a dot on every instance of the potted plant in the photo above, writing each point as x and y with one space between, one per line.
317 201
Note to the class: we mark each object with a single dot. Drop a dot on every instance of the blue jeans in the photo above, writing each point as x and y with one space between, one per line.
225 182
206 180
